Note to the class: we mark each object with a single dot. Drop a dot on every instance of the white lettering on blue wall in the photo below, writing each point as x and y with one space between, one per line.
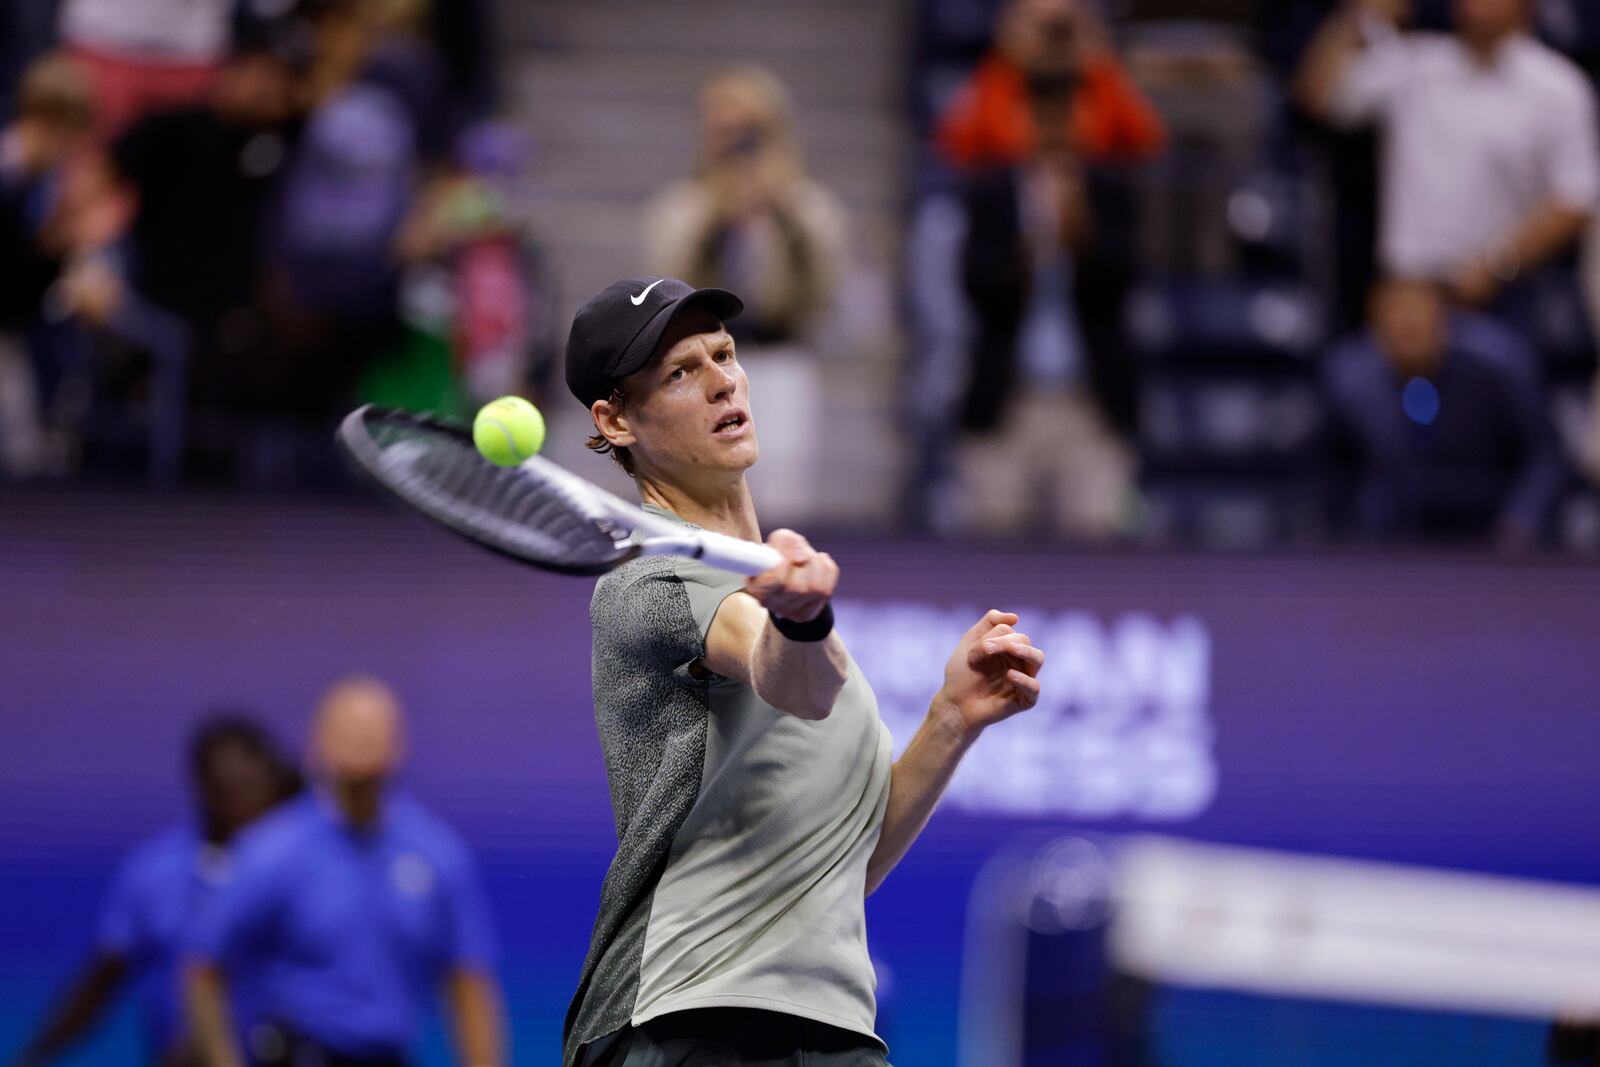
1122 728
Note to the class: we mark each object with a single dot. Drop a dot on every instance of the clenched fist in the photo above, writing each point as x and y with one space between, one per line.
800 587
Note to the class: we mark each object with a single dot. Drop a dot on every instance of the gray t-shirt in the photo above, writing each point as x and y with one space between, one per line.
743 832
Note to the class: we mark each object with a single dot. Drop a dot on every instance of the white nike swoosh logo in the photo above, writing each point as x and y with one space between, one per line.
637 300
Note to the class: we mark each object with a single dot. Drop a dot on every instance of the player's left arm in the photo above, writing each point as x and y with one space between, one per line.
991 675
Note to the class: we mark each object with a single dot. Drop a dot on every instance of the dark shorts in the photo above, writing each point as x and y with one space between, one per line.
277 1045
733 1037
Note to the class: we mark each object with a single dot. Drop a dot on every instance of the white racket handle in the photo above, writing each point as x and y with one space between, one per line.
662 535
732 554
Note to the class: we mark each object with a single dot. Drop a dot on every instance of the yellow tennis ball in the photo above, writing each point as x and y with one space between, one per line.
508 431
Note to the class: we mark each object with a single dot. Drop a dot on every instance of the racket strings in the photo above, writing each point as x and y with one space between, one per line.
434 467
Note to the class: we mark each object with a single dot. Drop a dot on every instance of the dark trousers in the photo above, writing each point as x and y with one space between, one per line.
733 1037
276 1045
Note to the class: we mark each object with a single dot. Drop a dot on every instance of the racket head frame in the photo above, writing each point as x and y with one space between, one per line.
358 443
633 532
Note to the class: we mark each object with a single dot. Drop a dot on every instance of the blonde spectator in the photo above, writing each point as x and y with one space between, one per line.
751 219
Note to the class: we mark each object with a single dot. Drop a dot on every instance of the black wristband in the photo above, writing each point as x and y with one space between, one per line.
814 630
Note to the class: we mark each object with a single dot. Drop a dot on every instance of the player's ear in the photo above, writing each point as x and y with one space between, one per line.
611 422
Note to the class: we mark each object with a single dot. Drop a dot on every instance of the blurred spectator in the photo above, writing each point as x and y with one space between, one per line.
200 178
752 220
345 197
332 265
1047 364
238 775
174 219
249 243
1032 255
1048 48
1442 415
348 910
146 55
1490 163
477 300
55 112
463 33
383 45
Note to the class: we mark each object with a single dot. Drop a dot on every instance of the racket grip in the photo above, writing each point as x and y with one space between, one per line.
740 557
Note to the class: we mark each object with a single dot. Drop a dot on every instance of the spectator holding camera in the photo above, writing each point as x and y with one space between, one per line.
751 219
1018 278
1047 405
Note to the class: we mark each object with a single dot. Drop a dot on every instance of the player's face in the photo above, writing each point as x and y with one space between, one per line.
689 409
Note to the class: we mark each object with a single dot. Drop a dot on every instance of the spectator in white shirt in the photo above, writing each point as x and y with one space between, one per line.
1491 161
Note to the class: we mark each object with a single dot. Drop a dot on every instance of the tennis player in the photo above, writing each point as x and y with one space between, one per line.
750 774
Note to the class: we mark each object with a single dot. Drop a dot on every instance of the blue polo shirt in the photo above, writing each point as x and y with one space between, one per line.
156 893
344 933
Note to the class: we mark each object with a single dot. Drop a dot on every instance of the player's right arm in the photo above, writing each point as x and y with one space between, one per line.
802 678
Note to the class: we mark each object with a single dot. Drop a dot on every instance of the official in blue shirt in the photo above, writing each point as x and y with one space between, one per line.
238 775
347 910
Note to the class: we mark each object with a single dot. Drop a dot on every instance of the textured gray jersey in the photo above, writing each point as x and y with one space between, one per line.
743 833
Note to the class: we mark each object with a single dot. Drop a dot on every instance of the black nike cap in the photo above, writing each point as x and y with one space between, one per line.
617 331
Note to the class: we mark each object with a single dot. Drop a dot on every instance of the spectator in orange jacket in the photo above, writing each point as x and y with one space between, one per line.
991 123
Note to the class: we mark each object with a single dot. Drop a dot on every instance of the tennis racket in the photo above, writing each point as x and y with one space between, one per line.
535 512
